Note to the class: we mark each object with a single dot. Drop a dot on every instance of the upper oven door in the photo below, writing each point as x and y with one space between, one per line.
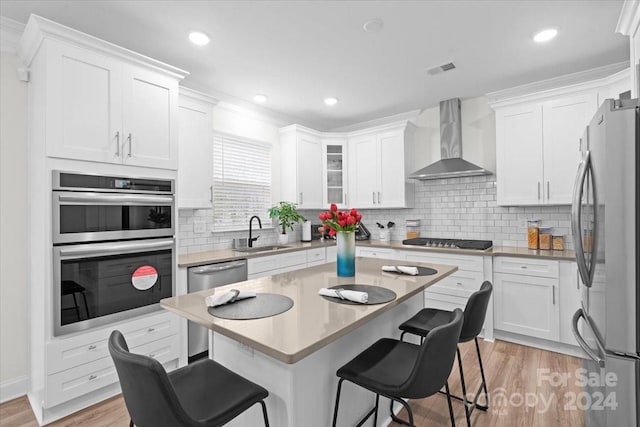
91 217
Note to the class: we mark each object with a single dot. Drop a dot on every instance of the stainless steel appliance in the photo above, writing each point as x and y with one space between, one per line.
431 242
362 233
113 248
209 277
606 235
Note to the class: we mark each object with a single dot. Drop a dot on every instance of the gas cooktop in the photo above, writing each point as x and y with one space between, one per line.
430 242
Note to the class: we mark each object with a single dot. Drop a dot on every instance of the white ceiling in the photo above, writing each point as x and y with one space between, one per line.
299 52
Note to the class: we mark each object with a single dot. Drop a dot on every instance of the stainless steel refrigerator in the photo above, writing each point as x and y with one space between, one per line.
606 234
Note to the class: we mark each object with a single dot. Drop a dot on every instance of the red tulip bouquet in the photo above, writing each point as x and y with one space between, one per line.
336 220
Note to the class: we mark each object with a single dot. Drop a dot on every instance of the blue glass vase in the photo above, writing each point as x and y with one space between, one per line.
346 241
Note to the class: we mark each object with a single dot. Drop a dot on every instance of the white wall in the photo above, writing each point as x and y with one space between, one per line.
13 228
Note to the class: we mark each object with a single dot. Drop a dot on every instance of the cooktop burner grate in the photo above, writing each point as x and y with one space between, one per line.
430 242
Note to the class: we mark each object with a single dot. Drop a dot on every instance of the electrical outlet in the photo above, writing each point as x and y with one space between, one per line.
199 227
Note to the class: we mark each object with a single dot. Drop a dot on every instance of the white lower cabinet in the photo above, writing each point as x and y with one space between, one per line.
316 256
81 364
570 300
384 253
527 303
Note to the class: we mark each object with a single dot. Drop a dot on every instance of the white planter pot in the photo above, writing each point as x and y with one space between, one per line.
283 239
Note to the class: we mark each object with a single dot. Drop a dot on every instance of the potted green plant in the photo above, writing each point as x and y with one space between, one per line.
287 215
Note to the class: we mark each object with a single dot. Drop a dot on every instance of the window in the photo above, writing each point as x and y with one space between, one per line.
241 181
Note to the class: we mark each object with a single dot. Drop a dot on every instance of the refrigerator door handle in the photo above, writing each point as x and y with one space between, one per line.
574 328
586 273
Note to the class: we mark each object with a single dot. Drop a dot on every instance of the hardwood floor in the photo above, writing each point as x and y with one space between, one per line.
521 395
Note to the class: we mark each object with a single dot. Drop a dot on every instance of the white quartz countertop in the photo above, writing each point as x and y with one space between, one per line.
312 322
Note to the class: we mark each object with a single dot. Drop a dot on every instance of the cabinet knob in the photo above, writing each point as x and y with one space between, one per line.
92 377
151 329
459 283
523 266
91 347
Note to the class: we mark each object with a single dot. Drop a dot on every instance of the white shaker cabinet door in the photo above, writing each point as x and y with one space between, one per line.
309 172
392 170
519 155
150 119
363 171
564 123
83 104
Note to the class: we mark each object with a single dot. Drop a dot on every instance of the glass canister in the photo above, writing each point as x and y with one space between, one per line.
558 243
413 228
545 239
533 233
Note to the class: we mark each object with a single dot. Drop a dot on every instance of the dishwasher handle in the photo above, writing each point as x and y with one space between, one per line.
215 268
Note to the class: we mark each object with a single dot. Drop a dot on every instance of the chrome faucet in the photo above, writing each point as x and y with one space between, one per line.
253 239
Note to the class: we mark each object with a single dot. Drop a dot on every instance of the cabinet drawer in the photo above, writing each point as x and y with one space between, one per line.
292 258
315 256
443 302
462 283
464 262
259 265
83 379
527 266
84 348
383 253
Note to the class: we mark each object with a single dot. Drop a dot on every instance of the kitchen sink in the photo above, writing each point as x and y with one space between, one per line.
262 248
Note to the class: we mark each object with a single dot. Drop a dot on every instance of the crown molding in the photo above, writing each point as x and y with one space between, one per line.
10 33
569 82
629 18
38 29
195 95
408 116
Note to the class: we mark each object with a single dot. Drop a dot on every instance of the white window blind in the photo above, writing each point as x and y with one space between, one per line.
241 181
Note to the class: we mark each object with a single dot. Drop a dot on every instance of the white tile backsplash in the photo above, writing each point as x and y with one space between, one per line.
457 208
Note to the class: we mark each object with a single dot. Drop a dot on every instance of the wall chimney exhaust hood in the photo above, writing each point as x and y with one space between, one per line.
451 165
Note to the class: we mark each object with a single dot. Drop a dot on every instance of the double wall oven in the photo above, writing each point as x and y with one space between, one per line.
113 248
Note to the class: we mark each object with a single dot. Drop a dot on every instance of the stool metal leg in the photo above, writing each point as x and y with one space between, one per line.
264 413
86 306
75 305
446 387
375 415
400 420
335 411
467 413
484 381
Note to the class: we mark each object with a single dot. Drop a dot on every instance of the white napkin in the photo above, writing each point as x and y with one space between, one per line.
413 271
355 296
220 299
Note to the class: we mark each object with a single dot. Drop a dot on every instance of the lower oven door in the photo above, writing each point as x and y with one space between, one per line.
99 283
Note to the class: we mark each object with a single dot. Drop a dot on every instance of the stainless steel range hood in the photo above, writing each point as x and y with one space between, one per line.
451 165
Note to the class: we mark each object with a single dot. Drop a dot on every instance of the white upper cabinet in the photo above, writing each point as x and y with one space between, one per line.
195 149
334 171
538 136
301 167
379 161
99 102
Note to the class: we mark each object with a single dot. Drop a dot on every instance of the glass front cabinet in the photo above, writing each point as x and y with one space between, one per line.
334 174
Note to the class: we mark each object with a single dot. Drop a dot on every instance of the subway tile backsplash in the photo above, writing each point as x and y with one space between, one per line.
458 208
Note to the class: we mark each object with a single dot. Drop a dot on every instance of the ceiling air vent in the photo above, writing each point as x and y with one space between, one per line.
441 68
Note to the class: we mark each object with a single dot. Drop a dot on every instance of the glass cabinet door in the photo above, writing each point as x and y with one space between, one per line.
334 168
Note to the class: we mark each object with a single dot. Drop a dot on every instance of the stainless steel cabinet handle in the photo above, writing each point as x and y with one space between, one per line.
91 347
105 249
92 377
211 193
151 330
548 191
379 198
129 139
538 190
118 144
374 197
523 266
301 199
553 293
113 199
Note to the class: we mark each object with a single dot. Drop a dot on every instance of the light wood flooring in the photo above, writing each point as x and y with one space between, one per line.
520 395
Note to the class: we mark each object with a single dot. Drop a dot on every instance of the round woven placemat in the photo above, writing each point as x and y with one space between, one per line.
377 295
263 305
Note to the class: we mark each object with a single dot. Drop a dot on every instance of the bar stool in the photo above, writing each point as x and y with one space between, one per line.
400 370
474 314
202 394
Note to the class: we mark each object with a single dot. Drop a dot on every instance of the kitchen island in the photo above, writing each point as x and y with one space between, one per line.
295 354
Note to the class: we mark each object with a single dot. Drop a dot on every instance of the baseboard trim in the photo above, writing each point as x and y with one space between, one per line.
554 346
14 388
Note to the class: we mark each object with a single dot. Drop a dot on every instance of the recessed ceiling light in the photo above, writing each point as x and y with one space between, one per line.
545 35
373 25
331 101
199 38
260 99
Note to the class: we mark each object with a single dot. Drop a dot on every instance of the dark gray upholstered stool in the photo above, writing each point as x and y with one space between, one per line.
474 314
202 394
399 370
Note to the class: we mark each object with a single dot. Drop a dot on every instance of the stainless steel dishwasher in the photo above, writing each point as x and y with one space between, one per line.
208 277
